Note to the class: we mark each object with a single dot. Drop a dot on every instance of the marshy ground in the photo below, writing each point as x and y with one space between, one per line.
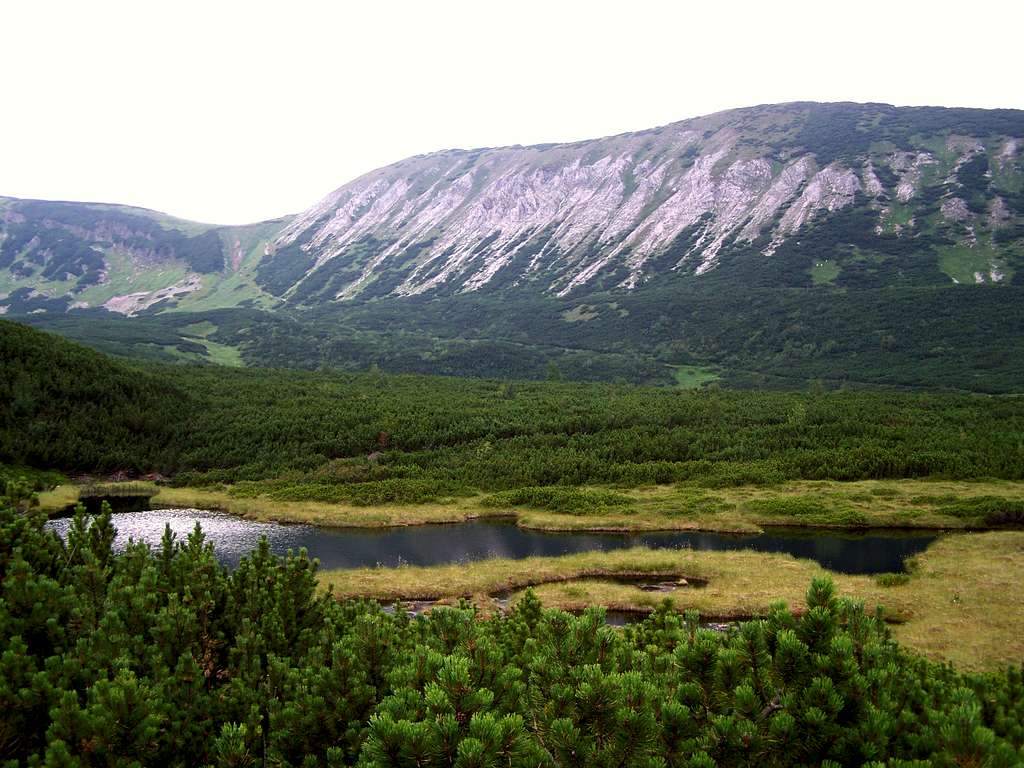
937 504
960 601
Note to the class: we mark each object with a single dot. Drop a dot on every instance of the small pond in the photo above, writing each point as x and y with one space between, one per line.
862 552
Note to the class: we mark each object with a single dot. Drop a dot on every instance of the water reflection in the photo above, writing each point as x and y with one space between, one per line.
233 537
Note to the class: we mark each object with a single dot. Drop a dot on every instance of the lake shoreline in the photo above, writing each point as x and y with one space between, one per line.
520 521
827 506
866 552
956 604
892 505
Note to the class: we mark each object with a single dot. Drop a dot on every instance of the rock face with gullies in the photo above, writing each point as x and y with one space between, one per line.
916 196
617 212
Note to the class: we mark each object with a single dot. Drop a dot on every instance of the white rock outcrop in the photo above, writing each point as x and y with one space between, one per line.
955 209
621 208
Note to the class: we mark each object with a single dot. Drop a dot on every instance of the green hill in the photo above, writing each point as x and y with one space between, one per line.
310 434
66 407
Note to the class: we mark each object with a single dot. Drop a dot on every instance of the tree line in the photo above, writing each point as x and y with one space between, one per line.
403 437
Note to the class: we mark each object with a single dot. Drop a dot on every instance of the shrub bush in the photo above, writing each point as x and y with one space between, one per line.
571 501
168 658
990 510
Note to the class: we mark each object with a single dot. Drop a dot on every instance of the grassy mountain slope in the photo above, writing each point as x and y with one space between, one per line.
60 256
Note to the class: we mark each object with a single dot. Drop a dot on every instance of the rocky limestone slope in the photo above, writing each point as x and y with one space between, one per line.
619 211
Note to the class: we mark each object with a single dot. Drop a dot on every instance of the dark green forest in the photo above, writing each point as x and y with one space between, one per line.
754 336
376 437
165 658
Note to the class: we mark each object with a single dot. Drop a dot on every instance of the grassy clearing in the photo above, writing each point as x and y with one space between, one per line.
116 489
899 216
126 275
693 376
201 329
222 354
963 264
183 355
966 600
58 499
320 513
738 583
10 283
824 272
580 314
945 160
961 603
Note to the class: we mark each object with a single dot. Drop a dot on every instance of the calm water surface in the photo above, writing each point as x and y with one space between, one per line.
233 537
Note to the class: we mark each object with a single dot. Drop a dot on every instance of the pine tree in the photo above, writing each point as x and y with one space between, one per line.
166 658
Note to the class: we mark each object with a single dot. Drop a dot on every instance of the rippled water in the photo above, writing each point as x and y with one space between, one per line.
233 537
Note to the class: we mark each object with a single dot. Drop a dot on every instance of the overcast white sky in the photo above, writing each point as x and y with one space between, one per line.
232 113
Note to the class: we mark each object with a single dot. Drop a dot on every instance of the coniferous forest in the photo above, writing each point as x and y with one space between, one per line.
165 658
162 656
68 408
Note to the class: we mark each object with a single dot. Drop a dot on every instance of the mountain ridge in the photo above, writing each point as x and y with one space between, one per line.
861 245
572 218
431 218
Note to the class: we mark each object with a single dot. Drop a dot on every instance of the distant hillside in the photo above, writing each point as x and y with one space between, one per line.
853 195
802 194
60 256
857 244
